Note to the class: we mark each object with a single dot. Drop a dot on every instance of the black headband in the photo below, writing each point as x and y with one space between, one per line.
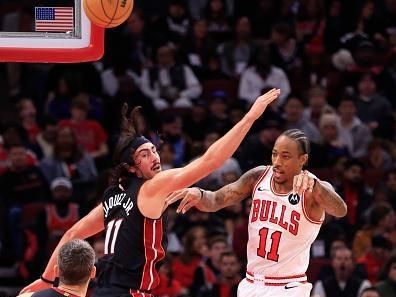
133 145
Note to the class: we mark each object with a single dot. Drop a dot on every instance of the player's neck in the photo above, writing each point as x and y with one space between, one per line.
77 290
285 187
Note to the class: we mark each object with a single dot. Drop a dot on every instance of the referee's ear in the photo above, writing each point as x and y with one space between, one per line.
56 270
93 272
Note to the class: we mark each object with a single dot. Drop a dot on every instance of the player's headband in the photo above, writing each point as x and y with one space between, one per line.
133 145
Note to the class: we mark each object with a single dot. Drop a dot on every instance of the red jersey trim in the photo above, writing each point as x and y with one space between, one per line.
64 293
153 252
260 179
306 214
273 188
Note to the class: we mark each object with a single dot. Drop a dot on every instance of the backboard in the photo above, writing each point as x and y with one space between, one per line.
49 31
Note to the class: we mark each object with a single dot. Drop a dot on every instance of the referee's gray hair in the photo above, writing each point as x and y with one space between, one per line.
76 259
301 138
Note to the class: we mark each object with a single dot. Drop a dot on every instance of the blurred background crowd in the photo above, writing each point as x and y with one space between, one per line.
195 66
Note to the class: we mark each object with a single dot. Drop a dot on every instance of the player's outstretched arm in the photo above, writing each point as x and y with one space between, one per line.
88 226
209 201
175 179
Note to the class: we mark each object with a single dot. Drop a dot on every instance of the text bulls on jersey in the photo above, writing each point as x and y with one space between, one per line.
271 211
117 200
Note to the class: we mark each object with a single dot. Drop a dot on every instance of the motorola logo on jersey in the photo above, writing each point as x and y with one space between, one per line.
294 199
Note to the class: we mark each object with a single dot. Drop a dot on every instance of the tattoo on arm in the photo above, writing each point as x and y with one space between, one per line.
330 201
232 193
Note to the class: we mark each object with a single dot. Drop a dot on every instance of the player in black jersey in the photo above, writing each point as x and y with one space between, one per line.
133 205
75 268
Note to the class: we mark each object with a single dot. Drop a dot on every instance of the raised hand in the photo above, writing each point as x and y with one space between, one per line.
303 182
190 196
262 102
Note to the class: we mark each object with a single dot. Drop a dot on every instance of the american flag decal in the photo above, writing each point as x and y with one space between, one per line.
54 19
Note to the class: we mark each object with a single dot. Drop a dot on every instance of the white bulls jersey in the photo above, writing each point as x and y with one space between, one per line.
280 232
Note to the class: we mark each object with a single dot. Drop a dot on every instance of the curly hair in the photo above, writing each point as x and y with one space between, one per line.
123 152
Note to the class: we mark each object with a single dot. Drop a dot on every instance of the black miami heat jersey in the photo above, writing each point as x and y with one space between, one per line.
134 244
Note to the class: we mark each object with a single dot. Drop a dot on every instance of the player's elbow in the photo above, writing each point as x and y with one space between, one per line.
341 211
212 161
71 234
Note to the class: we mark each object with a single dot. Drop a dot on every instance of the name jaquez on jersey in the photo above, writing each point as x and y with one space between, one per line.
117 200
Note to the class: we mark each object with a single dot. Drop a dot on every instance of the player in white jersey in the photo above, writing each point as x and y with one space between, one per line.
288 208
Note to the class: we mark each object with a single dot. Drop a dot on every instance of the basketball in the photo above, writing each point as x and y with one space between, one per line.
108 13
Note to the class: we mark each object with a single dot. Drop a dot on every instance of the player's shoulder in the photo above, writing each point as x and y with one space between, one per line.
256 172
112 190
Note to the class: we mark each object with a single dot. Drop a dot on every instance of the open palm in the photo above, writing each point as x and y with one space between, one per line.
262 102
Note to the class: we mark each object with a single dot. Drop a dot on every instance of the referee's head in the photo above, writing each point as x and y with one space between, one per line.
76 260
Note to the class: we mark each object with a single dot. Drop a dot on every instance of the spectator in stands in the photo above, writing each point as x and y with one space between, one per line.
372 108
353 133
375 259
236 54
217 245
167 153
263 74
215 179
335 25
381 222
197 123
356 195
212 69
287 54
257 149
218 105
168 287
294 116
387 285
90 134
15 135
343 282
174 26
195 248
136 42
27 114
263 18
59 100
170 84
58 216
68 160
227 282
377 156
21 184
172 129
46 138
330 148
196 47
317 105
219 25
390 187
